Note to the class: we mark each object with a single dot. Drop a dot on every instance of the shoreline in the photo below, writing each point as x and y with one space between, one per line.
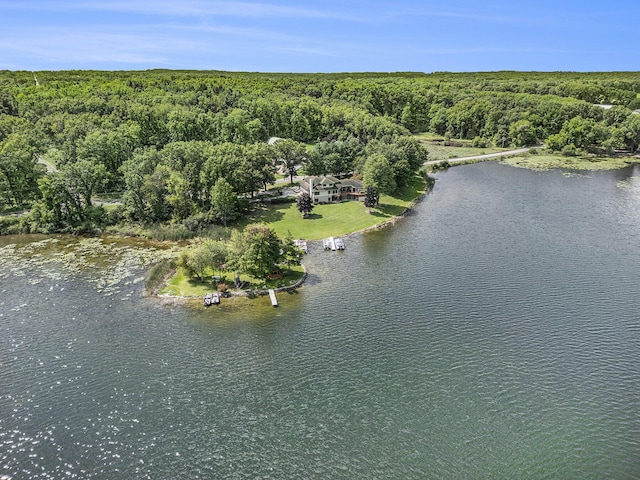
252 293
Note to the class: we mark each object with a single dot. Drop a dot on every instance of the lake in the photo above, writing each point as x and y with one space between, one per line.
494 332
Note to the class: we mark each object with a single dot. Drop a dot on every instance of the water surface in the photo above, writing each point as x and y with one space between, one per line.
493 333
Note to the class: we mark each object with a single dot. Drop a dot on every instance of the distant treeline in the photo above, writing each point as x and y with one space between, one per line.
163 139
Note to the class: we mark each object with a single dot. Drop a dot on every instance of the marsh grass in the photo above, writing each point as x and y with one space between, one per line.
169 232
440 148
158 273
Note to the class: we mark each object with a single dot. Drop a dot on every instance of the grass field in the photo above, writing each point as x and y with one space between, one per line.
435 145
183 286
334 219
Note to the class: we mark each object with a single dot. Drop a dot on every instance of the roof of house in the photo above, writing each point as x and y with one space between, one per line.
352 182
318 181
328 179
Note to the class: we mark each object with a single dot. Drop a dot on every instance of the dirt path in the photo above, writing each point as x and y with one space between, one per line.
51 168
486 156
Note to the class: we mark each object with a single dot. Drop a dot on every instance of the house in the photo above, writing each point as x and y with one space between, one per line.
328 189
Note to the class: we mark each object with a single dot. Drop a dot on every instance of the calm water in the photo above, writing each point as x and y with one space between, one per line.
493 333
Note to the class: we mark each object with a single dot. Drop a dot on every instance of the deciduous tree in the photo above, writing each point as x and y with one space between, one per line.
371 197
224 201
255 251
291 154
378 173
304 204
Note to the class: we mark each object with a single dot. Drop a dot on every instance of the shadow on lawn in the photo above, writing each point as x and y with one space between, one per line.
378 213
265 214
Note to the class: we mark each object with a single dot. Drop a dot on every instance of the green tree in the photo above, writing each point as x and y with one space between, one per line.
291 254
261 157
256 251
133 172
154 191
19 170
209 256
66 197
304 204
291 155
179 196
83 178
188 159
224 201
523 133
217 254
631 129
110 147
193 262
378 173
371 197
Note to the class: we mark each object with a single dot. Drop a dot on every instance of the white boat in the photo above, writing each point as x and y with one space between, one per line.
302 245
207 299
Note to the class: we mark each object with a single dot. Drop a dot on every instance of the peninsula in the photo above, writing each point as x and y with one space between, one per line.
231 163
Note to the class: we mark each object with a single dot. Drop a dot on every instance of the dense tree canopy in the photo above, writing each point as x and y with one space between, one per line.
163 139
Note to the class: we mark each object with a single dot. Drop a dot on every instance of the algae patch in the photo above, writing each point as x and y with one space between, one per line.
106 263
546 162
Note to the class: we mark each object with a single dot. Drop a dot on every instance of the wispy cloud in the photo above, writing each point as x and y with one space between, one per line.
149 44
81 46
186 8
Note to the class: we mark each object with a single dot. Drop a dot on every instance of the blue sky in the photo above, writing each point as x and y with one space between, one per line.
320 36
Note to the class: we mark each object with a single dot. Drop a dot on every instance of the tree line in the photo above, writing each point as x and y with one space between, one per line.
165 139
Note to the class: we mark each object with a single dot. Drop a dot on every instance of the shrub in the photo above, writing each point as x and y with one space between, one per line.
197 222
9 225
569 150
479 142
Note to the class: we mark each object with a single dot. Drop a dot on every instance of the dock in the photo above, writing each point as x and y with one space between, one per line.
272 295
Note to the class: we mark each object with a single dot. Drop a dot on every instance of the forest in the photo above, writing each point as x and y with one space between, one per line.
190 147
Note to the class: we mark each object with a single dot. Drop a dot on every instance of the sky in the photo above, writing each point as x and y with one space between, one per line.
320 36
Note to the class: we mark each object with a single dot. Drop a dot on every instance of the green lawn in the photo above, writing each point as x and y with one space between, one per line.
334 219
182 285
324 221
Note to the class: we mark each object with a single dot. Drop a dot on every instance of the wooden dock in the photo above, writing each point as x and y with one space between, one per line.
272 295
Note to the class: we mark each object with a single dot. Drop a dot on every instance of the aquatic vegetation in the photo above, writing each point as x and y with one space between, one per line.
547 162
631 183
106 263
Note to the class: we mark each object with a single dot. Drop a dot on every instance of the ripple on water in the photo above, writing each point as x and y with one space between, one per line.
487 336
